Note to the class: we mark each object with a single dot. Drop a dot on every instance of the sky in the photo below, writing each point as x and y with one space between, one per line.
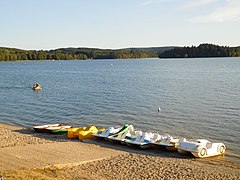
113 24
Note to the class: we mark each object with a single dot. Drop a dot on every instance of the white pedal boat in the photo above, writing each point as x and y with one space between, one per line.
122 134
201 148
167 141
142 139
107 132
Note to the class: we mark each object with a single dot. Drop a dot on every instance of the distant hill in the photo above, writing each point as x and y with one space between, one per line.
13 54
157 50
203 50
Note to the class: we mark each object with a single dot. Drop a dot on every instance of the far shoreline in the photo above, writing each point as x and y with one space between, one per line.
204 50
137 59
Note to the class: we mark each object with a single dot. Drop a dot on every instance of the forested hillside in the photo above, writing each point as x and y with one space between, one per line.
12 54
157 50
203 50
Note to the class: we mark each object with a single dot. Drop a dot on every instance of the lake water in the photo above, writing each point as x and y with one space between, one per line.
199 98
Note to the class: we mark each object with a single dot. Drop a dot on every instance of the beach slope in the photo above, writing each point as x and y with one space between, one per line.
25 154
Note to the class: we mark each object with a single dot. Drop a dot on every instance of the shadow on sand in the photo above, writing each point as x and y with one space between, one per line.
153 151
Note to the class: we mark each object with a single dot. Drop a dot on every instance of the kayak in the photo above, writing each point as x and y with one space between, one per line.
52 128
58 129
42 128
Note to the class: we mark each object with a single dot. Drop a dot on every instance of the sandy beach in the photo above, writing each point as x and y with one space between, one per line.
25 154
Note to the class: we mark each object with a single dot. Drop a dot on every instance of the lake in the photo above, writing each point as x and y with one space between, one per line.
199 98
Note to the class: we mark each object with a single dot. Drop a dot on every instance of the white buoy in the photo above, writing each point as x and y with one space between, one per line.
159 109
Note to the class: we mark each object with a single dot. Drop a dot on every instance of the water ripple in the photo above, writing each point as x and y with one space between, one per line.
197 99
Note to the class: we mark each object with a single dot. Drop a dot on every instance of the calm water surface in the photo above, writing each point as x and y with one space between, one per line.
199 98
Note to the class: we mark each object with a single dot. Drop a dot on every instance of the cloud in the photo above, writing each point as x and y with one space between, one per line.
229 11
197 3
204 10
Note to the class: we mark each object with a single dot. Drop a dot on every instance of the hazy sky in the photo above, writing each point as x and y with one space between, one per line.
50 24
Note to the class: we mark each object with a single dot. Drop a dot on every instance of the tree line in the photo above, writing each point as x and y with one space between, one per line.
12 54
203 50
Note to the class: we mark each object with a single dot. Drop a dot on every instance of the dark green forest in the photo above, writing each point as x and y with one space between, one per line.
157 50
12 54
203 50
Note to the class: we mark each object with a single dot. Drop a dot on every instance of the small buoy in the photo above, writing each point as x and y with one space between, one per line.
159 109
